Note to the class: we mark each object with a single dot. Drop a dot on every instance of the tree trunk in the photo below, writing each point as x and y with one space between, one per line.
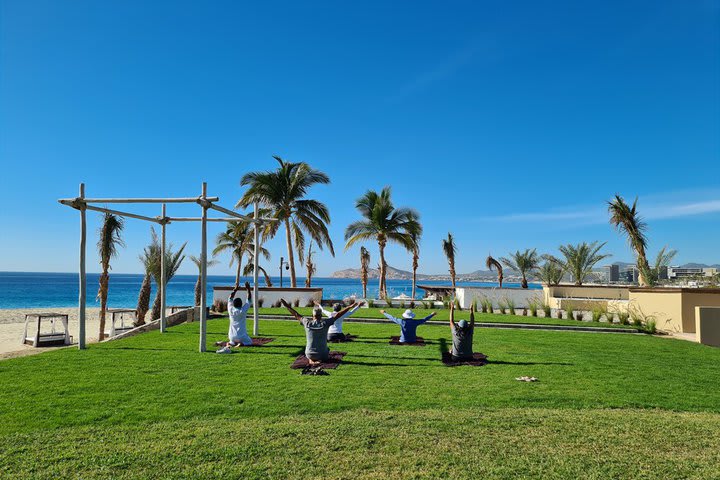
364 286
237 274
414 281
104 281
198 291
268 282
383 289
524 283
291 255
642 266
143 301
156 307
452 273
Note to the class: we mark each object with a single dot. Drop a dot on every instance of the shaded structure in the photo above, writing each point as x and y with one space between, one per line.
82 204
36 337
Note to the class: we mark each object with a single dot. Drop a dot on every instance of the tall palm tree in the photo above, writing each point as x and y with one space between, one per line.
198 286
364 267
238 240
415 260
310 265
150 255
173 260
524 262
626 219
551 271
450 250
108 245
283 192
384 223
491 263
581 258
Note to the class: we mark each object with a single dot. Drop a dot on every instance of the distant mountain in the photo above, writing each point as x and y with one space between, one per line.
392 274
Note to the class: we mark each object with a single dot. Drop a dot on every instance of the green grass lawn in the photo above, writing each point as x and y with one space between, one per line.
444 315
606 406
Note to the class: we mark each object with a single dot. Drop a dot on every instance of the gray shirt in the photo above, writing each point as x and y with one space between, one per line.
316 332
462 341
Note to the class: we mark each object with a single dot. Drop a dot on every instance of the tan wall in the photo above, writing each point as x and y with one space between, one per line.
707 325
674 308
554 295
664 306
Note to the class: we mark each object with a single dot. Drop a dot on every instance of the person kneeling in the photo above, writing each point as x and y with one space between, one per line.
237 333
335 333
316 330
462 335
408 324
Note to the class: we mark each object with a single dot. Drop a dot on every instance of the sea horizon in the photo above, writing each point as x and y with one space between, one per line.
60 289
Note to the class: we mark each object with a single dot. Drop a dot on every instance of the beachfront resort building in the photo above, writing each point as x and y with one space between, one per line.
691 272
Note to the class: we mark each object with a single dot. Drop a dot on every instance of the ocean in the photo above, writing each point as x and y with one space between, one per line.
41 290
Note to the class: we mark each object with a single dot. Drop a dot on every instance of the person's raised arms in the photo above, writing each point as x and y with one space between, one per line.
390 317
291 310
344 311
428 317
327 313
452 315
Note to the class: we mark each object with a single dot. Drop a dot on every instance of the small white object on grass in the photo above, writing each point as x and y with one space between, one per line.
526 379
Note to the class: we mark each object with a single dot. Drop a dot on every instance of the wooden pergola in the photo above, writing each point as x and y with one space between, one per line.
82 204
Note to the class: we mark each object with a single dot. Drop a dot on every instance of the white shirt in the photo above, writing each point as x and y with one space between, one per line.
337 326
238 322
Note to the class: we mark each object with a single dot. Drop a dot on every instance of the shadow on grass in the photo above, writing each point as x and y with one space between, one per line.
502 362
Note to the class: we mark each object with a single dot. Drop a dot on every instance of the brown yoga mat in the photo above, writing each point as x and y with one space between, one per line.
478 360
335 358
256 342
419 341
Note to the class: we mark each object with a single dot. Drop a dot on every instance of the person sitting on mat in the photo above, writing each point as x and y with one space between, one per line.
408 324
237 333
316 330
462 335
335 332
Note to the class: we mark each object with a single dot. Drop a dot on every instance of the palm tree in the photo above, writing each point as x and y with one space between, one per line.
107 246
450 250
250 267
173 260
198 263
581 258
627 220
524 262
310 267
415 261
282 192
364 267
384 223
238 240
150 255
663 260
491 263
551 272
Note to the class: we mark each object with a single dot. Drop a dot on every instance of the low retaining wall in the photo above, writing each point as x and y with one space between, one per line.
521 296
270 296
673 308
555 294
707 325
176 318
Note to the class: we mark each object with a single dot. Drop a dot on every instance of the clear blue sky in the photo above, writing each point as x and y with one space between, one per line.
507 123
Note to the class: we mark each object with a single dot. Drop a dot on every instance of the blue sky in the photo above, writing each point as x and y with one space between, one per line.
507 123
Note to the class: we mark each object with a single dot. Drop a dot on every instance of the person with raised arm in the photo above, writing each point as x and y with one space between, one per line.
237 333
462 335
316 330
408 324
335 332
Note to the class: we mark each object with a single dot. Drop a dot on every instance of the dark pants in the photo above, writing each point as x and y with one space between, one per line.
336 336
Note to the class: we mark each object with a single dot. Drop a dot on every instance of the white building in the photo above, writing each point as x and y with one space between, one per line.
682 272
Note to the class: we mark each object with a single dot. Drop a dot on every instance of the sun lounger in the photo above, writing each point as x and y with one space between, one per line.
36 337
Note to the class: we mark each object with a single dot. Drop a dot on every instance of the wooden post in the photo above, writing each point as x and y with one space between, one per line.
256 320
82 279
203 273
163 280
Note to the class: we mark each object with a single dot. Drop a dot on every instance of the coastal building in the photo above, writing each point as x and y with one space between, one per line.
690 272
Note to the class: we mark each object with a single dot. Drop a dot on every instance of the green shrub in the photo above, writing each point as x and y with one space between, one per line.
510 305
623 317
651 326
570 312
533 308
597 314
547 311
371 303
487 304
